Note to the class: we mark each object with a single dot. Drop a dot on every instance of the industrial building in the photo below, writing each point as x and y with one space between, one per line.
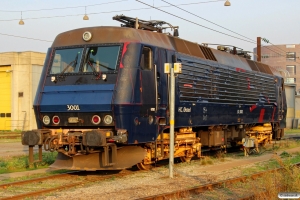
19 77
285 58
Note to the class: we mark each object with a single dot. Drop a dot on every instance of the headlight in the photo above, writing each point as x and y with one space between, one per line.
108 119
46 120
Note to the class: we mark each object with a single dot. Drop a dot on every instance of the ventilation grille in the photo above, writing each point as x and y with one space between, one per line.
201 82
207 53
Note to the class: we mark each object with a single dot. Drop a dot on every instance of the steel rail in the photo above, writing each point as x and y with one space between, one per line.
63 187
5 185
40 192
9 136
210 186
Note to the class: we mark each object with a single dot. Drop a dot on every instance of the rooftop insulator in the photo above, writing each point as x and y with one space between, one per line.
176 33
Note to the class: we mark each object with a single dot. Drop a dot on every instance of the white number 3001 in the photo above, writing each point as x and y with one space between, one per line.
73 107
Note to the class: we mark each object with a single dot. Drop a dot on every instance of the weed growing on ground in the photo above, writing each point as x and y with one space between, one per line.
206 160
287 180
20 163
9 140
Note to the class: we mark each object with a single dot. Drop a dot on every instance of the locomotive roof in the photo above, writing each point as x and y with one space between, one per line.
105 34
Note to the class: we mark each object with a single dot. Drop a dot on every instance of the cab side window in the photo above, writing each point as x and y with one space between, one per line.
146 59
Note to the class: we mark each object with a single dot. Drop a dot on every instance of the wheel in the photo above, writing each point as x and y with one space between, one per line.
142 166
185 159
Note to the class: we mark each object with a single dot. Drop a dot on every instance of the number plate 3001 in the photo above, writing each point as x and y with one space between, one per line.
73 119
73 107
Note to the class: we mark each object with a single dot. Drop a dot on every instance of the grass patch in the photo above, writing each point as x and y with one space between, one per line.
206 161
8 140
20 163
284 159
291 131
287 180
266 187
10 132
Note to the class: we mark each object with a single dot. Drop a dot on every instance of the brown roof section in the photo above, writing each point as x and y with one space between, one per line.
104 34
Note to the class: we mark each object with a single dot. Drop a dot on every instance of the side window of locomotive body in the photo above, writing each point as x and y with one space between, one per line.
66 61
146 59
101 59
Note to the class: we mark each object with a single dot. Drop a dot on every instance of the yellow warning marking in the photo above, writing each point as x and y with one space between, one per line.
172 122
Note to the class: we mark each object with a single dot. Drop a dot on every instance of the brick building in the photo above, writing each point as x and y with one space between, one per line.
284 58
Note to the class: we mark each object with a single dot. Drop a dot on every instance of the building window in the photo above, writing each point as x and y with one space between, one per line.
290 80
20 94
291 56
265 56
291 69
2 115
146 59
8 114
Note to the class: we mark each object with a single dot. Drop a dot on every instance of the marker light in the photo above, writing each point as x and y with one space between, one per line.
96 119
55 120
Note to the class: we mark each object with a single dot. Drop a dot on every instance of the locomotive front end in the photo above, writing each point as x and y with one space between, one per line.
75 102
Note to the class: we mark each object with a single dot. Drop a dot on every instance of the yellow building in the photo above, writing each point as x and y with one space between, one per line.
19 77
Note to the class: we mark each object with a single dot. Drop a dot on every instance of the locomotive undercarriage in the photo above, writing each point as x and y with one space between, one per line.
189 143
186 146
102 149
97 149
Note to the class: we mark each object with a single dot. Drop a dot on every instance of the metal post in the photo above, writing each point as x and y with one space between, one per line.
40 153
30 155
172 108
258 49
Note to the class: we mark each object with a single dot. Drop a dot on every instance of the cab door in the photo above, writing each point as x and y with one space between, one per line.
148 83
148 109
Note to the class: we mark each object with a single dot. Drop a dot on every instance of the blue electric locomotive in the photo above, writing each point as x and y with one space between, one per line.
103 98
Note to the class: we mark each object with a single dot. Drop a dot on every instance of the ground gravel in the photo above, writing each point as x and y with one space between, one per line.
146 183
156 181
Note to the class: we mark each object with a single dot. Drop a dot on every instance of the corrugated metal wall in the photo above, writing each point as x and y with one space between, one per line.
5 97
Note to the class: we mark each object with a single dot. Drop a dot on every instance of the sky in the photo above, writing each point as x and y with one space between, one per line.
276 20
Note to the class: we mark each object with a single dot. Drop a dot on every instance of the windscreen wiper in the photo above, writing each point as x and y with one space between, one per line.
106 67
72 63
90 63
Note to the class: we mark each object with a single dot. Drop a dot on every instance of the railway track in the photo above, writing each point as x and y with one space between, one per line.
34 187
39 186
208 187
10 136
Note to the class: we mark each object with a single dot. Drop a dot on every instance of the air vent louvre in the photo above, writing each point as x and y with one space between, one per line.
207 53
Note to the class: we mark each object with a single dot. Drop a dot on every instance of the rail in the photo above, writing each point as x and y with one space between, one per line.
38 181
199 189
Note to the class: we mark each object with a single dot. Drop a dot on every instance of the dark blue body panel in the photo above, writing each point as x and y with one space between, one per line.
90 98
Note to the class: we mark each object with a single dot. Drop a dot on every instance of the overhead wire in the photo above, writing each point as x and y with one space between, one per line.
284 52
196 23
172 5
95 13
267 47
61 8
24 37
207 20
226 28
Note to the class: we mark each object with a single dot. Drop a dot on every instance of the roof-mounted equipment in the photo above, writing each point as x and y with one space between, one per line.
151 25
